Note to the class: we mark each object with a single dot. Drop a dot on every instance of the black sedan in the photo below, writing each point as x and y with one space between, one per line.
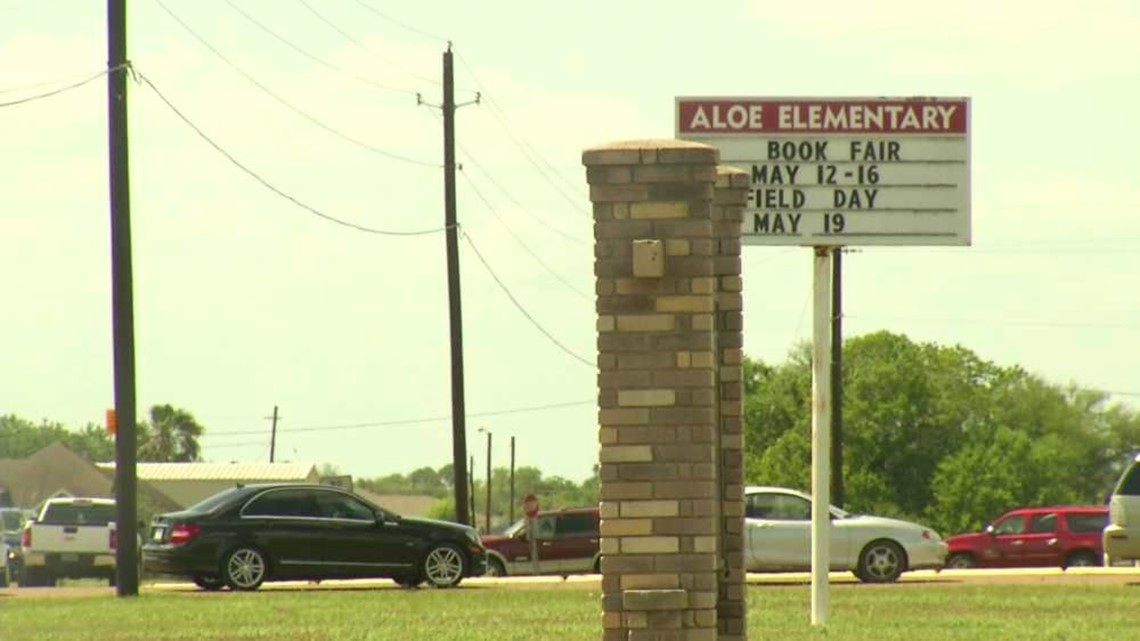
249 534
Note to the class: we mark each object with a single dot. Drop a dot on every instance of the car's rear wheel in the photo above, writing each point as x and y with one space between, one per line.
961 561
444 566
245 568
495 567
1081 559
881 561
209 582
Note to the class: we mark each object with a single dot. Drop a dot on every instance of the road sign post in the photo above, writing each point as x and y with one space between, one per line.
530 510
833 172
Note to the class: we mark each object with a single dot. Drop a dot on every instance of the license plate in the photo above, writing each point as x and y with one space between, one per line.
157 534
69 558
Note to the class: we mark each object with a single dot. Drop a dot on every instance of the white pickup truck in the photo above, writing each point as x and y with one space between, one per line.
70 538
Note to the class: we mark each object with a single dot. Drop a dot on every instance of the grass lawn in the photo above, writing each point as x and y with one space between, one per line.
571 613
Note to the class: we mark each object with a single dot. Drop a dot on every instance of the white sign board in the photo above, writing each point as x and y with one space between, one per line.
843 171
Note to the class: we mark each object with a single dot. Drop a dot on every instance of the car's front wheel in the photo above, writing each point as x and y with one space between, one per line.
495 568
881 561
245 568
961 561
444 566
209 582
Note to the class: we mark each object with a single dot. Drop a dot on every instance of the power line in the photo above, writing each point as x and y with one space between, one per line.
46 83
523 244
285 103
398 23
265 183
475 163
539 219
56 92
348 36
519 306
328 65
982 321
411 421
527 150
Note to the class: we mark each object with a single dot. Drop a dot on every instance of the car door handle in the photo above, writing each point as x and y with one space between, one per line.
1052 542
761 526
1017 542
545 544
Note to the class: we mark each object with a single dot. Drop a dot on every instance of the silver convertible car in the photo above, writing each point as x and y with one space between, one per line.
875 549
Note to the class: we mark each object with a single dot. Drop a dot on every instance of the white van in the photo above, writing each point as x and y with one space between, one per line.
1122 535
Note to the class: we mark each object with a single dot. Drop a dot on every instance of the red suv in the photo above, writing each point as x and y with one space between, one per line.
566 542
1068 536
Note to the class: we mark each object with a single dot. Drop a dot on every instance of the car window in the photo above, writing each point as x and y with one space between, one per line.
79 514
1042 523
1010 525
577 524
1130 483
777 507
334 505
211 503
544 527
1086 522
283 503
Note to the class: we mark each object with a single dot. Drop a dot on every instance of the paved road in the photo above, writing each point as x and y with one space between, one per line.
1053 576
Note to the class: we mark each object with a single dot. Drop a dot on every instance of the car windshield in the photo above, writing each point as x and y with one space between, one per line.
514 528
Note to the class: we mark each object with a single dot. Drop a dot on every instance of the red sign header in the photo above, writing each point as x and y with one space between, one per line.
821 116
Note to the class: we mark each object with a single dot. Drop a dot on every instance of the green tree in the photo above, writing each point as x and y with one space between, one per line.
937 433
171 436
20 438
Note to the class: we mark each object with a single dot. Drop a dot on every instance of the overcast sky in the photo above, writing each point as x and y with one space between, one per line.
245 300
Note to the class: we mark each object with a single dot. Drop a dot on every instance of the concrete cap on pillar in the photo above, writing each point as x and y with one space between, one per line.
642 152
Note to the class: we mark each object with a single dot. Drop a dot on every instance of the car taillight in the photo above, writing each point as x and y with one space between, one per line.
114 539
183 532
26 538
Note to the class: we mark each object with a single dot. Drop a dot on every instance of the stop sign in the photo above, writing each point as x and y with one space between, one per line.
530 506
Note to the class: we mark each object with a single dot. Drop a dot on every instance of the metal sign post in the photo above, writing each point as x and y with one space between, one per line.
820 434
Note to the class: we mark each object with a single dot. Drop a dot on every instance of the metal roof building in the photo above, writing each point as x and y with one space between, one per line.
188 483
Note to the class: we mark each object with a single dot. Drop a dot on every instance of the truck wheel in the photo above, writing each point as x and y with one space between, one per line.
36 578
4 581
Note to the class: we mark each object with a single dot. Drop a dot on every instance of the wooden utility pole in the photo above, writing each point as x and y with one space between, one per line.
487 525
273 435
122 305
512 518
458 410
464 504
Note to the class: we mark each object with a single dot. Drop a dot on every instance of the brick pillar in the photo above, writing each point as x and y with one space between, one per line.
728 215
655 259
